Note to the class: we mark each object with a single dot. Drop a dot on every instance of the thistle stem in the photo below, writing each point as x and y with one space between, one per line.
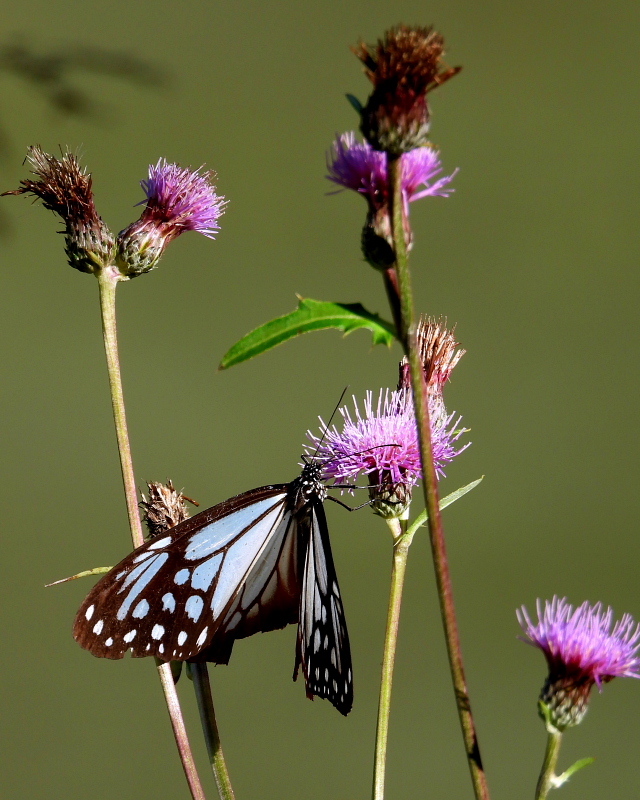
108 279
202 686
547 773
430 483
400 551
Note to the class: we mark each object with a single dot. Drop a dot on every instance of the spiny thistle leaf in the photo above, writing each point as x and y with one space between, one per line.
311 315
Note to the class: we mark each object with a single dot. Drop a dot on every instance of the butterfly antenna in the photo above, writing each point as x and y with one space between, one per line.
326 427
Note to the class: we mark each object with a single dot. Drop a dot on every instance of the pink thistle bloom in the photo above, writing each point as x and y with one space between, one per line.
178 200
356 165
581 649
382 443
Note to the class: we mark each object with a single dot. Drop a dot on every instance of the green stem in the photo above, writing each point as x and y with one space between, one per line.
547 773
400 551
430 484
202 686
108 279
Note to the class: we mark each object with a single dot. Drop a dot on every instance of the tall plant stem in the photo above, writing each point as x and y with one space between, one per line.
107 281
430 483
202 686
547 773
401 544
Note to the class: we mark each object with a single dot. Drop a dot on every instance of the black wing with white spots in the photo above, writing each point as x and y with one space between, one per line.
256 562
188 588
323 648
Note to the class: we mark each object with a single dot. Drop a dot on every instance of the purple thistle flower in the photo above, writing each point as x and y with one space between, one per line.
383 444
356 165
178 200
581 650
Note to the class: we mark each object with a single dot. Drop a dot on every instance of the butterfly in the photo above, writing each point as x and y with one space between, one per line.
256 562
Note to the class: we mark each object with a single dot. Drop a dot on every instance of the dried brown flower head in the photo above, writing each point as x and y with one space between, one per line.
403 67
439 354
164 509
65 188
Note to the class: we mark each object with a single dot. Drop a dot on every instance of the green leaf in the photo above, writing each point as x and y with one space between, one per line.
353 100
311 315
444 502
560 779
84 574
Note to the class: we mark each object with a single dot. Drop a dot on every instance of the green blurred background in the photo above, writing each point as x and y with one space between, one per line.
534 257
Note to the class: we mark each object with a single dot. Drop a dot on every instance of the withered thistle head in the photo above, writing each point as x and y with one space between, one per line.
439 353
65 188
164 509
403 67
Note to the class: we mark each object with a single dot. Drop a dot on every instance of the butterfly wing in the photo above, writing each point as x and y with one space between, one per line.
171 596
323 642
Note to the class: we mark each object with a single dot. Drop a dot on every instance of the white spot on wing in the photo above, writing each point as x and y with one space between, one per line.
109 642
168 602
157 632
182 577
140 610
89 613
129 637
97 628
182 637
201 639
194 606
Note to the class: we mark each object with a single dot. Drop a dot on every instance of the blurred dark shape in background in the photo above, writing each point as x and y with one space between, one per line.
52 73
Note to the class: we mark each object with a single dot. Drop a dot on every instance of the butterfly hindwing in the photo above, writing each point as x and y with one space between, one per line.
171 595
323 648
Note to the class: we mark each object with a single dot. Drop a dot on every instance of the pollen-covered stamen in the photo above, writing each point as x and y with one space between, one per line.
65 188
582 649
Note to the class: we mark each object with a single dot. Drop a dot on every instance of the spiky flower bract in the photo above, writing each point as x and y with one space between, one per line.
403 67
382 443
164 509
356 165
439 353
178 200
582 649
65 188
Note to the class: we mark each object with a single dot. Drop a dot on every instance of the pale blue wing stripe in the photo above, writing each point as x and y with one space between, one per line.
220 532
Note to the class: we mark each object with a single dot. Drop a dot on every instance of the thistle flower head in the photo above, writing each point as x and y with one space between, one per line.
164 509
403 67
178 200
65 188
356 165
439 353
582 649
382 443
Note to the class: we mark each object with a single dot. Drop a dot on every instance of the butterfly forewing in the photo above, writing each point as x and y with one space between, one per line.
170 596
323 642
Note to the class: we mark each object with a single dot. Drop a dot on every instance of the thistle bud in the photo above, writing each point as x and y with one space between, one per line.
403 67
65 188
439 353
